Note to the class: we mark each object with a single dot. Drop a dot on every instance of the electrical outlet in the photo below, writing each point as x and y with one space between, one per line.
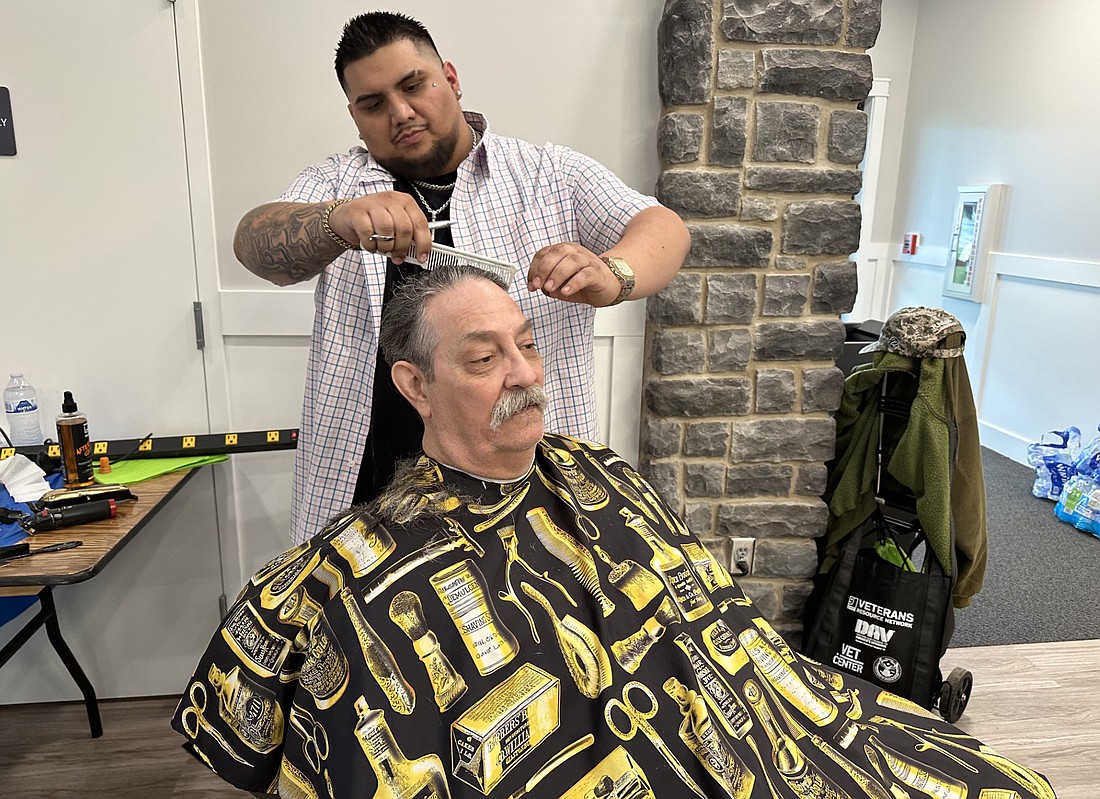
744 549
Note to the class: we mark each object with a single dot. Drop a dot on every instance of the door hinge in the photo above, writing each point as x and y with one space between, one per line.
200 332
223 606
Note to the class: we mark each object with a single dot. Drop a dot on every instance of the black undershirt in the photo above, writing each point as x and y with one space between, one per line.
396 430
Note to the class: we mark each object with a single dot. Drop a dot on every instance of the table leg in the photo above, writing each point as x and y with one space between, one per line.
53 632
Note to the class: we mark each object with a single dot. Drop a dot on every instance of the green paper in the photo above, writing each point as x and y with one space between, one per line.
130 472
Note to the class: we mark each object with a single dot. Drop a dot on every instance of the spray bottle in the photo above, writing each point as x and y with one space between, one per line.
76 448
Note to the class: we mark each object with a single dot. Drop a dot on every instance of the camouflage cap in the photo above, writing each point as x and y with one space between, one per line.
916 332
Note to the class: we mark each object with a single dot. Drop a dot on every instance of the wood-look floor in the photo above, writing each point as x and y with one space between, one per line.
1036 703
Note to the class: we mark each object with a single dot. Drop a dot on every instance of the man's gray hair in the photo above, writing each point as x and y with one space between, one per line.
406 334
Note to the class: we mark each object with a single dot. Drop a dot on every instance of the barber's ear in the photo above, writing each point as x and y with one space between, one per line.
410 382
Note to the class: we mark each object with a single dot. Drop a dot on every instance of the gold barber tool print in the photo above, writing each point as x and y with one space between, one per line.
1024 776
624 489
802 776
293 784
398 777
584 655
785 680
630 650
257 645
580 518
672 567
379 659
617 776
637 720
722 645
500 510
572 553
578 745
194 719
504 727
447 684
277 563
325 670
922 777
362 547
249 709
513 558
705 742
723 702
672 522
314 737
871 786
710 572
590 495
298 608
414 560
289 577
464 592
635 581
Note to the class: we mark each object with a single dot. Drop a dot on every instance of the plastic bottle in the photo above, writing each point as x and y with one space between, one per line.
21 412
76 447
1079 504
1053 461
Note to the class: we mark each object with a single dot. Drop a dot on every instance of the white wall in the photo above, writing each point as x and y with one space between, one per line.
885 109
996 95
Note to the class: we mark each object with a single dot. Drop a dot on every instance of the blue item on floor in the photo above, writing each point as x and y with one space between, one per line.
1080 501
1053 461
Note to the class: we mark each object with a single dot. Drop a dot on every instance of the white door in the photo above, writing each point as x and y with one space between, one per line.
98 285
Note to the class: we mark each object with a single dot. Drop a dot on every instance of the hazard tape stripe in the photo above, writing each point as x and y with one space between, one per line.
199 444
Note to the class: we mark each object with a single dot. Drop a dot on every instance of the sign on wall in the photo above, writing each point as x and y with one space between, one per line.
7 126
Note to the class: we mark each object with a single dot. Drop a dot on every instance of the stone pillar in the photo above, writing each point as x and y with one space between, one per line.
760 139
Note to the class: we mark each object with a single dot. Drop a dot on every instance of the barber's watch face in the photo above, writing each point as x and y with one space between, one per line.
404 103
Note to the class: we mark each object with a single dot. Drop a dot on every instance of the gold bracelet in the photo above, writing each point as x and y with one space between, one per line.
347 245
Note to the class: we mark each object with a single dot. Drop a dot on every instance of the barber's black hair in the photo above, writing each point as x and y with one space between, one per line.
367 32
404 335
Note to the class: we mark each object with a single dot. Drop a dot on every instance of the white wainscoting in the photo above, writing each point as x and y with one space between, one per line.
1031 346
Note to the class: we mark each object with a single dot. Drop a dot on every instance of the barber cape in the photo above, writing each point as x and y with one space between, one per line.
560 636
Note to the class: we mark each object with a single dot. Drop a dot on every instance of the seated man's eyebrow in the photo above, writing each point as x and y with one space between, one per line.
486 335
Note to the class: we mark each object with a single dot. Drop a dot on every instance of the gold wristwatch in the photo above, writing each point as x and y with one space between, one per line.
624 274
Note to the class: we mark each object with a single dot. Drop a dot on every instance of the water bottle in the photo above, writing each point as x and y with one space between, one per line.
1053 461
21 412
1080 502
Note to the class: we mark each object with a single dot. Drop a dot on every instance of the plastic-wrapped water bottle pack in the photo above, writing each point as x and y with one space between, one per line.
1069 474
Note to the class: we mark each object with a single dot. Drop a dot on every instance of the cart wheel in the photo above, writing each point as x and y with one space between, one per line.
955 694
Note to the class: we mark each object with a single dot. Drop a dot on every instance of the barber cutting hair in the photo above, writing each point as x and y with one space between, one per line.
430 173
519 614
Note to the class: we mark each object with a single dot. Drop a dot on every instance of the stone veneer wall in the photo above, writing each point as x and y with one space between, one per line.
760 139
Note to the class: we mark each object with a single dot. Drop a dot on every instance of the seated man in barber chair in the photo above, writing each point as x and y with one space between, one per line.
520 614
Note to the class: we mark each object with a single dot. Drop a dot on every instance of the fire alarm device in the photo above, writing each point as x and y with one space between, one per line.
911 243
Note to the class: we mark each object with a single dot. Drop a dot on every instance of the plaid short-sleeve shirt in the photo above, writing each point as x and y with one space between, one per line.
511 199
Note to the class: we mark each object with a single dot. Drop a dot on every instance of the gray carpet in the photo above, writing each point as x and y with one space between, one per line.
1041 582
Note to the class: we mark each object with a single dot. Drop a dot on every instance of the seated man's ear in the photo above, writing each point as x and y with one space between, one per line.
410 381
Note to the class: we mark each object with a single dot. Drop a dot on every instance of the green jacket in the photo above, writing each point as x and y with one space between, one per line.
950 494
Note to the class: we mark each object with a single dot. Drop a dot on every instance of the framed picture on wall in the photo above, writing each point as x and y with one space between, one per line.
972 235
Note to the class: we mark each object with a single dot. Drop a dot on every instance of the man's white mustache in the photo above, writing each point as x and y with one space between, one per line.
517 400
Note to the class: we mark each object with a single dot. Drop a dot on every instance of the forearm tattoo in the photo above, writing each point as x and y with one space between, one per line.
285 244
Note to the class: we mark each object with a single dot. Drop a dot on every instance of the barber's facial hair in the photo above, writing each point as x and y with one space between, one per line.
514 401
432 165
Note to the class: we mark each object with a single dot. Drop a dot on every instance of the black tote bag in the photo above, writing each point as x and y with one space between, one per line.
881 622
